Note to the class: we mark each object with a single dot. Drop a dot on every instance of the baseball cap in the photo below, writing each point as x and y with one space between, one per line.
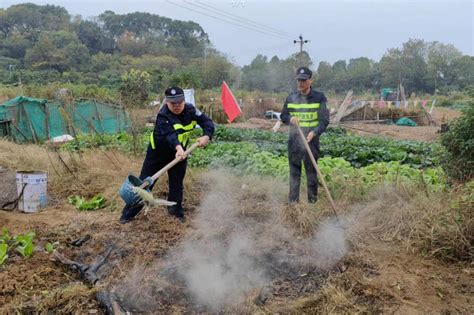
303 73
174 94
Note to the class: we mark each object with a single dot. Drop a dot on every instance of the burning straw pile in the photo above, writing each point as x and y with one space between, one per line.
243 249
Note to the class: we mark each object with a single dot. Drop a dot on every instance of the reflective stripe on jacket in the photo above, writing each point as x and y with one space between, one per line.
306 113
184 133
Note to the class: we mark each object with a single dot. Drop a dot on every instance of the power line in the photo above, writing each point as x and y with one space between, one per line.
239 24
258 50
226 21
238 18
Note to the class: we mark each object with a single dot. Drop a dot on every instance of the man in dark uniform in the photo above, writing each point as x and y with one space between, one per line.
306 108
169 139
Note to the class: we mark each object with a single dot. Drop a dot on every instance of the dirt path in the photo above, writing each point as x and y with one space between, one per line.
419 133
417 285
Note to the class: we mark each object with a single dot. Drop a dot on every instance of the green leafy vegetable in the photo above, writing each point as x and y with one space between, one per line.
3 253
24 244
49 247
96 202
5 237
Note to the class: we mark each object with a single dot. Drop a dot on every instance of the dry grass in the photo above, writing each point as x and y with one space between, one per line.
437 225
68 173
302 218
67 299
330 300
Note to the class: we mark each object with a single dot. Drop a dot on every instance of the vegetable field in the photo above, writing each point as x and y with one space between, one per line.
242 249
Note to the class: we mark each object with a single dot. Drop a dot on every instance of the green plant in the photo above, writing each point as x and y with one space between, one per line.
5 237
458 160
24 244
96 202
3 253
49 247
135 87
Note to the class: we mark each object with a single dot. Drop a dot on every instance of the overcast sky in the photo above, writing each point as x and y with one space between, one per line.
335 29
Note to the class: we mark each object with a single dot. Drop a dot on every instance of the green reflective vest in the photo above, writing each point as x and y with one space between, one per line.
184 133
306 113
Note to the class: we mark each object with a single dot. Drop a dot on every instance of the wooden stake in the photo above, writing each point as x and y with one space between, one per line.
343 107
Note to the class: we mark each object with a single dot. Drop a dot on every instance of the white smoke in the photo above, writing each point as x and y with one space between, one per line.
237 243
240 242
328 245
223 276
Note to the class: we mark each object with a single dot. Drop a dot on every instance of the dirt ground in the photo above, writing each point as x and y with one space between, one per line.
418 133
144 272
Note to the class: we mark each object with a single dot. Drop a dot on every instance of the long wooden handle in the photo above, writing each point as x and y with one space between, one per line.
170 165
313 160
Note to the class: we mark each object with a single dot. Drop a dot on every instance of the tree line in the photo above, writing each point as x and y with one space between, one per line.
146 52
45 43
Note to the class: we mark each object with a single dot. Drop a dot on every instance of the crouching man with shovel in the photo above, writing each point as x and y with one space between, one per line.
306 113
168 142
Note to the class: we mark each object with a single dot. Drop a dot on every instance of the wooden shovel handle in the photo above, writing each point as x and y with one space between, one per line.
170 165
313 160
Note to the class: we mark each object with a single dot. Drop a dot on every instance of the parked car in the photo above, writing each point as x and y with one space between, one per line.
270 114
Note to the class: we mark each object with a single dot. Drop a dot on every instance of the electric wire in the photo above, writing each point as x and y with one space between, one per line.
226 21
238 18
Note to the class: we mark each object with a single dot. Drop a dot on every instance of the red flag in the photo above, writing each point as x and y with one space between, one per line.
229 103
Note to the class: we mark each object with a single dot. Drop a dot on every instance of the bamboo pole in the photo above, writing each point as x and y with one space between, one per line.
313 160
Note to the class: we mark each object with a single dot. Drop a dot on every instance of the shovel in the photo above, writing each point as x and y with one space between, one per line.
134 189
320 175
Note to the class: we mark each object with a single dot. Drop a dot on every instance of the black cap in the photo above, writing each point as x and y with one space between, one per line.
303 73
174 94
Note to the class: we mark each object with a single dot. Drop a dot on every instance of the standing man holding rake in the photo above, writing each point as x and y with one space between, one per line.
307 109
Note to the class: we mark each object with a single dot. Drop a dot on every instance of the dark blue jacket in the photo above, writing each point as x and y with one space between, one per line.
165 134
312 98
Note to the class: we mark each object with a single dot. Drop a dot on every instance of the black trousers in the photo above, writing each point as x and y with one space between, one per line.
155 160
297 155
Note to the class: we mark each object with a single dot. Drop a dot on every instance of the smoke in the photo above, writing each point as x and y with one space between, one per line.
223 276
328 245
241 241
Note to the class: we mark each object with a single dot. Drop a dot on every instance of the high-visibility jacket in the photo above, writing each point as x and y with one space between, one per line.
172 130
310 109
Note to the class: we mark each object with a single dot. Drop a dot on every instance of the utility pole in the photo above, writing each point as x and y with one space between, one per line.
301 41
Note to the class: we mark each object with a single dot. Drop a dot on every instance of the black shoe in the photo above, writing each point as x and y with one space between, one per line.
130 211
178 212
124 220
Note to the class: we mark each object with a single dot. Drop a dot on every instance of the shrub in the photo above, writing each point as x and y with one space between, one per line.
458 160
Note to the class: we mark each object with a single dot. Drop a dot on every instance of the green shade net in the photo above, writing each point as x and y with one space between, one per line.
30 119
